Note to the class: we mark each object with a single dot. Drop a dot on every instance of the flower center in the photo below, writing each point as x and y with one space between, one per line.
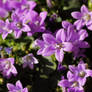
19 25
59 46
86 17
4 1
28 58
82 74
75 84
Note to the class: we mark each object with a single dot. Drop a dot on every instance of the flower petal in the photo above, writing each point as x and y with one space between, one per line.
19 85
65 24
68 47
43 17
48 38
48 51
10 86
84 9
76 15
59 54
61 35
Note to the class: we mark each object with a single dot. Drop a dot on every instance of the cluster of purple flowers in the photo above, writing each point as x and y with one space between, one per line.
76 78
17 16
20 16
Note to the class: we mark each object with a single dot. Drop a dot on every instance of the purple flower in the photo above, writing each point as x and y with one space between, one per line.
16 88
5 28
77 38
80 73
18 25
52 45
76 78
35 21
70 86
29 60
7 67
83 18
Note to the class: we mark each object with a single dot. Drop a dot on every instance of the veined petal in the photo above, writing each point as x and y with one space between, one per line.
59 54
79 24
76 15
65 24
64 83
10 86
82 34
61 35
72 68
68 47
84 9
48 51
48 38
18 84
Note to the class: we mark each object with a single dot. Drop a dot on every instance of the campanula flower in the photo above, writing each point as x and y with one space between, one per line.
5 28
16 88
29 60
83 18
7 67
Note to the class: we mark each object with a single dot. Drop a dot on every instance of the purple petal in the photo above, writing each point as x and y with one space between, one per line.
65 24
76 15
11 60
64 83
82 34
89 27
48 38
84 9
17 34
70 76
89 72
82 81
61 35
31 66
3 13
4 35
19 85
68 47
32 4
10 86
25 90
59 54
72 68
79 24
14 71
43 17
48 51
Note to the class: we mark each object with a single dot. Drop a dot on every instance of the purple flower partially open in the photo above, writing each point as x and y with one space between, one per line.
83 18
5 28
7 67
16 88
29 60
18 25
